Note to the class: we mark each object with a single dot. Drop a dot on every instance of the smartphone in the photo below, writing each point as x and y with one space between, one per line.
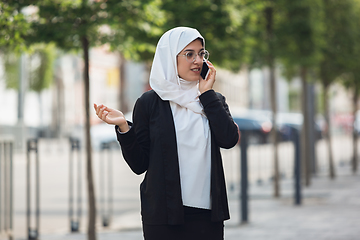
205 70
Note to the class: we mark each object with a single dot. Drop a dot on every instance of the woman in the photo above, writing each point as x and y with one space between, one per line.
177 131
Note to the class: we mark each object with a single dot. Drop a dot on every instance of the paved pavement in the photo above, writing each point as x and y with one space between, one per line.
330 211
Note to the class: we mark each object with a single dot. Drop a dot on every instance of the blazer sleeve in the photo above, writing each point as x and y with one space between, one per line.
221 123
135 144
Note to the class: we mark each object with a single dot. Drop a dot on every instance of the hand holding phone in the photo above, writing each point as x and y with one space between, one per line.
205 71
207 79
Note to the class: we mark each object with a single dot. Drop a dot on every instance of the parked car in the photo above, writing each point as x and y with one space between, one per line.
287 122
102 133
357 122
257 124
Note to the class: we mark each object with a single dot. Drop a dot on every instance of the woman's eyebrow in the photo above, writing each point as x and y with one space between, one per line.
188 50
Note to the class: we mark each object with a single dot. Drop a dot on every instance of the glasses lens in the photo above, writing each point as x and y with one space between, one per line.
206 55
190 56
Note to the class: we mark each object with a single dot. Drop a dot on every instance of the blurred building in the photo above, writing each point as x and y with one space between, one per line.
251 89
59 111
259 89
62 104
234 86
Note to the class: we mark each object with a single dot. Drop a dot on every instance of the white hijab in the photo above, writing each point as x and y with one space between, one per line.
164 79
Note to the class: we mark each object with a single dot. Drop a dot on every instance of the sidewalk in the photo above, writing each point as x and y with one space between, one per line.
330 211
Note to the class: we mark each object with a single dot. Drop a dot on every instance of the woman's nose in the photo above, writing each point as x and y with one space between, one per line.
198 59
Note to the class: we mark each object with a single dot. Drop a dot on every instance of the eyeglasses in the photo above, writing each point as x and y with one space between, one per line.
191 55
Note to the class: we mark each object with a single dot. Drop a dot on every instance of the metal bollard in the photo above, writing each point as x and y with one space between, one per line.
74 219
244 176
106 204
33 233
259 180
297 167
6 188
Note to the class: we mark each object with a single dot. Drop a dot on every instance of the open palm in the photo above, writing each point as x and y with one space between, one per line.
111 116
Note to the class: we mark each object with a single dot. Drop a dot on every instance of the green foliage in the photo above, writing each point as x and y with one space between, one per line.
65 22
13 26
41 59
219 21
12 66
135 37
295 28
299 32
255 30
128 26
351 79
41 69
339 39
305 32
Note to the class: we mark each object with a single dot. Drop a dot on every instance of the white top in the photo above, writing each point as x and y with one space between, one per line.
194 151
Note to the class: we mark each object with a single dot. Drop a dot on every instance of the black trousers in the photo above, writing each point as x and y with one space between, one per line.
198 226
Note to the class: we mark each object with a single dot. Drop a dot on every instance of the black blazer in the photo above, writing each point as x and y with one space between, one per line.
150 146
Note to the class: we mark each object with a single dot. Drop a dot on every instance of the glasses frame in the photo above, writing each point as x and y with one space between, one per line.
196 54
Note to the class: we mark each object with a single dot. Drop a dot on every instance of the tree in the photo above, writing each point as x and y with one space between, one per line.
351 78
286 33
336 51
300 38
270 62
80 25
356 75
261 26
351 81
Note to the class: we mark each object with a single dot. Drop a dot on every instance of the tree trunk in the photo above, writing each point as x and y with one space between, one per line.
328 132
41 112
58 104
41 131
305 156
274 133
271 62
123 105
355 134
312 130
23 79
90 182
